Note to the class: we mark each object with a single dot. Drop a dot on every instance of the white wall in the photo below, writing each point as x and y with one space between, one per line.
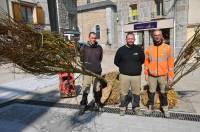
3 5
193 15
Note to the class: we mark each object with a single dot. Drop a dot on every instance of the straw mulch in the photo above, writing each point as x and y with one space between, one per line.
111 93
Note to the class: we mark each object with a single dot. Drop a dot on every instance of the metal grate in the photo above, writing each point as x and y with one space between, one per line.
173 115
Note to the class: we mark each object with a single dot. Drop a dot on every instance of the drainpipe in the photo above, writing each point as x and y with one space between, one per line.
58 16
174 47
174 24
122 29
8 9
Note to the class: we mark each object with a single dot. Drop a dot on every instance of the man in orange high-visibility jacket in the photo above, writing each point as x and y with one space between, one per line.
159 70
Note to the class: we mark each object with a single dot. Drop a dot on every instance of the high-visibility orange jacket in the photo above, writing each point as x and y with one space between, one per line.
159 61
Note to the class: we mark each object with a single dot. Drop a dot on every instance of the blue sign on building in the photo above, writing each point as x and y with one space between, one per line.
147 25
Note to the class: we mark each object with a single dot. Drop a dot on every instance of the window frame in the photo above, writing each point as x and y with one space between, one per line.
26 13
133 10
88 1
98 31
18 13
159 7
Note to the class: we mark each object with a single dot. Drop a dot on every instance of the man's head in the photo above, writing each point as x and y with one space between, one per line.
130 38
92 37
157 36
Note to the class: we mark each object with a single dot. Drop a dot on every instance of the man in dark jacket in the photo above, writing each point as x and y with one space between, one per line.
91 56
129 58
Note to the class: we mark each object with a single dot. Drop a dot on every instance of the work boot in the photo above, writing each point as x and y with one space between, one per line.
137 111
124 101
150 103
149 110
129 98
163 99
135 101
84 100
97 107
151 98
83 108
97 97
83 103
166 111
136 105
122 111
123 105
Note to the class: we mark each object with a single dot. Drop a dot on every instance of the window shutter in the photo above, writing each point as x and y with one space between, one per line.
16 11
40 15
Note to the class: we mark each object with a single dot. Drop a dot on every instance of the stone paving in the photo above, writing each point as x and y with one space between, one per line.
30 118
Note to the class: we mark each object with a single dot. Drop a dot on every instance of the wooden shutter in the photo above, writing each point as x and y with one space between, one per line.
40 15
16 11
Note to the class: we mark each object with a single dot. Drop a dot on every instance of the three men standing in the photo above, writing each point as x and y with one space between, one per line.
129 58
159 70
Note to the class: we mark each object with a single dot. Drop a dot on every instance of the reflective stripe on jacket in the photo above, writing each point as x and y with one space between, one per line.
159 61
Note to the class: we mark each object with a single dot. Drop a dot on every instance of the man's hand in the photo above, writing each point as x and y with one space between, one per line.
170 81
146 77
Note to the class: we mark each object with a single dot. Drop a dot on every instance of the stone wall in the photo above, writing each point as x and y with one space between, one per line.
66 7
87 22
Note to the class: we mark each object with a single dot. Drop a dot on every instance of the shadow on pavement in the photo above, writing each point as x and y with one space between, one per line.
21 116
183 94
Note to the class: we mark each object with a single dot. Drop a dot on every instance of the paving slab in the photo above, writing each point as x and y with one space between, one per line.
31 118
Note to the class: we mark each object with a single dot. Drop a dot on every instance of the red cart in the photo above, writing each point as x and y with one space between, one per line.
67 85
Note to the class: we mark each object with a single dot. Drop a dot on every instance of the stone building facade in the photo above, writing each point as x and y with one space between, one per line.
55 15
176 18
63 17
67 15
98 16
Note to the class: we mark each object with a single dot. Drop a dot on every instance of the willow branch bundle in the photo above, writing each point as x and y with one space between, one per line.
188 59
38 52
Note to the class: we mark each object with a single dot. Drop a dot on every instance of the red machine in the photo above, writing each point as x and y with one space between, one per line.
67 85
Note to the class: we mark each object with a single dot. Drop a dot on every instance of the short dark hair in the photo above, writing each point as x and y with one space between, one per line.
157 30
129 33
92 33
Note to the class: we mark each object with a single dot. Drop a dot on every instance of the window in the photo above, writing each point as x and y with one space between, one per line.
98 31
159 7
134 10
139 38
88 1
166 35
23 12
27 14
133 14
72 21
